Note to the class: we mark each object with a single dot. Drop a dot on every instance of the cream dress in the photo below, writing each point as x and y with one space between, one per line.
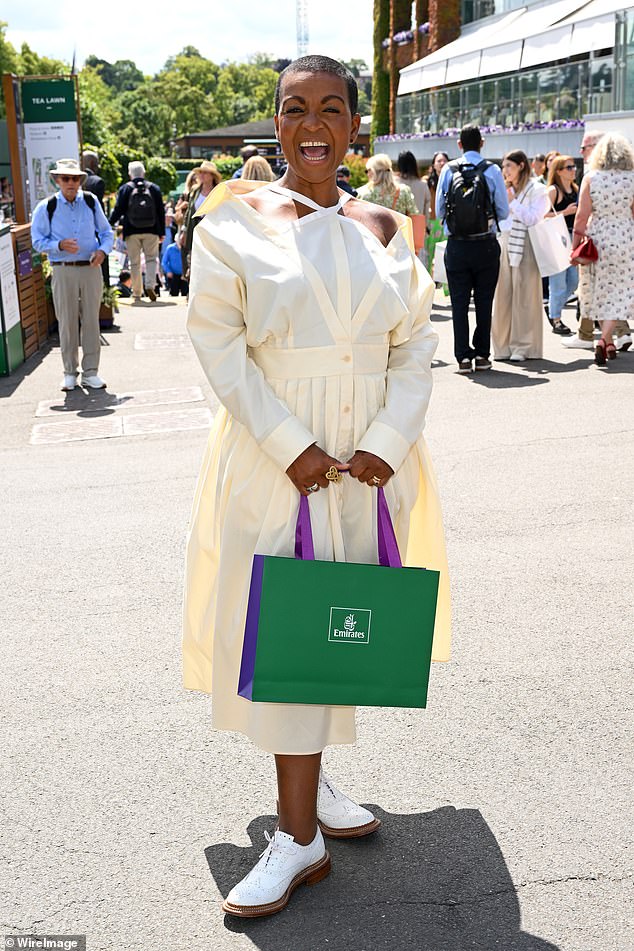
312 332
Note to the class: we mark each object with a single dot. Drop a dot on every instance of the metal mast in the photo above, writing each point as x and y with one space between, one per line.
302 27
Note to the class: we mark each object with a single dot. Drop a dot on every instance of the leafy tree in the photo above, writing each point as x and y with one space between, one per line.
8 60
30 64
356 66
8 56
143 121
122 76
187 51
98 112
245 93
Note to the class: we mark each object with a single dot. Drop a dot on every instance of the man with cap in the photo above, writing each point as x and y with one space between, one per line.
73 231
343 180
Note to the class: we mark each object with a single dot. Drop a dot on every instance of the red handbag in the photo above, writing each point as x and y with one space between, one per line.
585 252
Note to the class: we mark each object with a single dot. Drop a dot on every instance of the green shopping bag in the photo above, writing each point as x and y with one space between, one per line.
339 633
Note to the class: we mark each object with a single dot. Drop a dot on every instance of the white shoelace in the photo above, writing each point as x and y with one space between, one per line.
272 846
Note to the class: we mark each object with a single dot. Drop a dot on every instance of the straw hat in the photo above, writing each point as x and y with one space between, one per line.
67 166
207 166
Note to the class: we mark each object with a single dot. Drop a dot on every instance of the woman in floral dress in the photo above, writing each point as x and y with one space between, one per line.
383 189
606 214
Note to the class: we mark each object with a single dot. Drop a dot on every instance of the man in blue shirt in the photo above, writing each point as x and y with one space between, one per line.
471 203
74 232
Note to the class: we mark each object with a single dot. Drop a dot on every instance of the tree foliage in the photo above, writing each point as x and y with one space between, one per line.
126 115
121 76
380 76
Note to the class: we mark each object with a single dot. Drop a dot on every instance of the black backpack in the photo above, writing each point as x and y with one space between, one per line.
468 205
141 211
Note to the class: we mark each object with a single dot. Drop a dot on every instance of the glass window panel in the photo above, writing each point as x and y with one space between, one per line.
601 78
441 109
568 101
548 84
472 102
528 105
489 110
506 101
454 110
434 106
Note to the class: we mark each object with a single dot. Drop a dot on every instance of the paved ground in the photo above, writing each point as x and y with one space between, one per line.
507 821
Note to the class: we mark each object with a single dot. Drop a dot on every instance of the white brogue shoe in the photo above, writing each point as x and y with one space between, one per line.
283 866
338 816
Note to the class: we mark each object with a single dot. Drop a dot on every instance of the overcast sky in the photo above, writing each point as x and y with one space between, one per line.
221 30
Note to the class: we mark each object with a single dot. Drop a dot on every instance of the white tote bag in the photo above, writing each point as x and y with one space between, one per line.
552 246
439 273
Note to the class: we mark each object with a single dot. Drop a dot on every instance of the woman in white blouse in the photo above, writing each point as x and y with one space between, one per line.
310 315
518 311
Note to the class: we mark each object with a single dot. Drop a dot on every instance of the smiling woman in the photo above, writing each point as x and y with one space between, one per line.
310 315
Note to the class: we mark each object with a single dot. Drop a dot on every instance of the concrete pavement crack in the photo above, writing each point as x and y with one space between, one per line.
544 439
494 893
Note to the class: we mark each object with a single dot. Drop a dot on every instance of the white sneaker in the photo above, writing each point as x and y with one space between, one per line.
69 382
338 816
93 382
624 342
283 866
576 343
517 358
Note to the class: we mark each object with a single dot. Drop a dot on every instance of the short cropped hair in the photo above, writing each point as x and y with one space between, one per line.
470 138
319 64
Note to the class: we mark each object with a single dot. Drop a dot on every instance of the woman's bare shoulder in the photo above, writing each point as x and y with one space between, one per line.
381 221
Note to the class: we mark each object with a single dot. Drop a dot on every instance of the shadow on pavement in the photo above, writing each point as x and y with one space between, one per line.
499 379
88 403
9 384
433 881
622 364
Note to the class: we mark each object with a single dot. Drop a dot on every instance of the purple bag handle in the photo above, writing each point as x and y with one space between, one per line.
389 555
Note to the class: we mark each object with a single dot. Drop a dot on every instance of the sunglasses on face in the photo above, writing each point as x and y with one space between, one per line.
69 178
570 168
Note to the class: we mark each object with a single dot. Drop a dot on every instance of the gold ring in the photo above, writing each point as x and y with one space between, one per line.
333 474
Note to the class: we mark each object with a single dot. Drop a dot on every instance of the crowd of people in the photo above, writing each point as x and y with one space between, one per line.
481 214
486 216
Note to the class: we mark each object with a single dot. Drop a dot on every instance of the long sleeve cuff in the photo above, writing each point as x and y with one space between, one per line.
386 443
287 442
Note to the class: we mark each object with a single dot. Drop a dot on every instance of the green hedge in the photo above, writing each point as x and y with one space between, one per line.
162 173
226 164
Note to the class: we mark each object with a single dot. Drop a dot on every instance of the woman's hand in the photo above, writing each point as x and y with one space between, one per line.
310 469
366 467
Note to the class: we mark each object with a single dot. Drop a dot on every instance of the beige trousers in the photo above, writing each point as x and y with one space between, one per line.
517 327
584 293
77 297
149 245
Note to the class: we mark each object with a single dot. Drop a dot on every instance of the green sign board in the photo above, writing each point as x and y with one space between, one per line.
48 100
